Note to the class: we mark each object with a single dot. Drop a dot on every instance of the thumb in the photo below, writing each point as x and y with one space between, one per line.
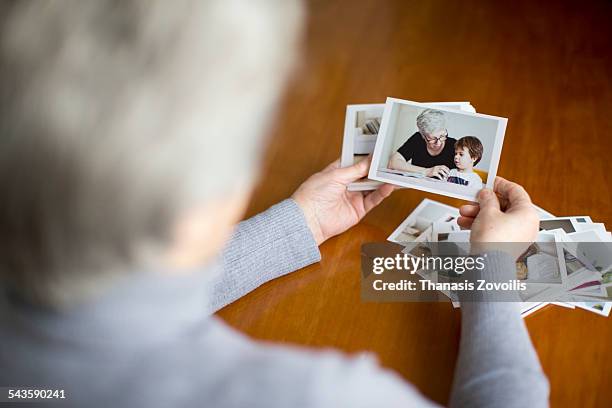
488 199
355 172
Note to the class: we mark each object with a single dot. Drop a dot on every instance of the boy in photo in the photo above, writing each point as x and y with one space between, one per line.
468 152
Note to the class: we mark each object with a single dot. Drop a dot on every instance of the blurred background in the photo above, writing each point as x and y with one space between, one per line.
546 65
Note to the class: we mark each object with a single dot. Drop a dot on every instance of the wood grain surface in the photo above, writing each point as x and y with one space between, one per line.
547 66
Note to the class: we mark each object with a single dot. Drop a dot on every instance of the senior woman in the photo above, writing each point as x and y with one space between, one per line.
429 151
131 132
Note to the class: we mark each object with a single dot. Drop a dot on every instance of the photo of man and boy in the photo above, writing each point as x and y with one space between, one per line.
432 153
361 128
439 150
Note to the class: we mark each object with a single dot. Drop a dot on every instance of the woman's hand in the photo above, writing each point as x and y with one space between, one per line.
503 215
440 172
329 207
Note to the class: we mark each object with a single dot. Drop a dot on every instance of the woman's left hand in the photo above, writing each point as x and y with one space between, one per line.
329 207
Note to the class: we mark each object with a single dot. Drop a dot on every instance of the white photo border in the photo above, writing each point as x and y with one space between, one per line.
348 145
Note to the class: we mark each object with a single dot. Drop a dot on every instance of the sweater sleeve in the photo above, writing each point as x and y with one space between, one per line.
264 247
497 364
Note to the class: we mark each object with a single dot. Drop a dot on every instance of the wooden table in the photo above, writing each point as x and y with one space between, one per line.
547 67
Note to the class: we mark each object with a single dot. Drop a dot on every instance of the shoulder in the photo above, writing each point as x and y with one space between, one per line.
450 143
415 138
411 145
473 179
474 176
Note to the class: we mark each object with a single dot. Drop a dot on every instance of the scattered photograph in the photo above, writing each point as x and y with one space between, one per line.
593 288
435 149
420 220
539 293
528 308
592 249
542 213
361 128
579 269
599 307
462 236
595 226
598 254
589 236
442 229
543 262
567 224
606 278
568 269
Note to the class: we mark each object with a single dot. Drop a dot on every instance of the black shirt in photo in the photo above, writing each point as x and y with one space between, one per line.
415 148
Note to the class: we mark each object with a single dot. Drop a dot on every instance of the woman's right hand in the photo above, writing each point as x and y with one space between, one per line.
503 215
440 172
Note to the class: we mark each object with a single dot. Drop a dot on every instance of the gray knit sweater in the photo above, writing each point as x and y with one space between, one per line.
152 341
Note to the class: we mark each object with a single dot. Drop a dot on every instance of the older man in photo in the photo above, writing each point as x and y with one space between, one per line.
131 138
429 151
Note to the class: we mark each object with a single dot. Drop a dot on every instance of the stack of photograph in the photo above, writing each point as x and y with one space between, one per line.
569 264
448 148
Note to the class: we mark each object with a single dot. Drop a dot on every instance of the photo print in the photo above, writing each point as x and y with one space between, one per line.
361 128
435 149
421 219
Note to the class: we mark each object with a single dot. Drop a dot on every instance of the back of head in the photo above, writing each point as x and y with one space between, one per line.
115 115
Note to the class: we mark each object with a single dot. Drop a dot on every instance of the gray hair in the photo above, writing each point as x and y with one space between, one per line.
431 121
115 116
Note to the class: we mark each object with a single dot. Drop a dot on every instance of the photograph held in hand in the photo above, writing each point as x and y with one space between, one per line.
436 149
